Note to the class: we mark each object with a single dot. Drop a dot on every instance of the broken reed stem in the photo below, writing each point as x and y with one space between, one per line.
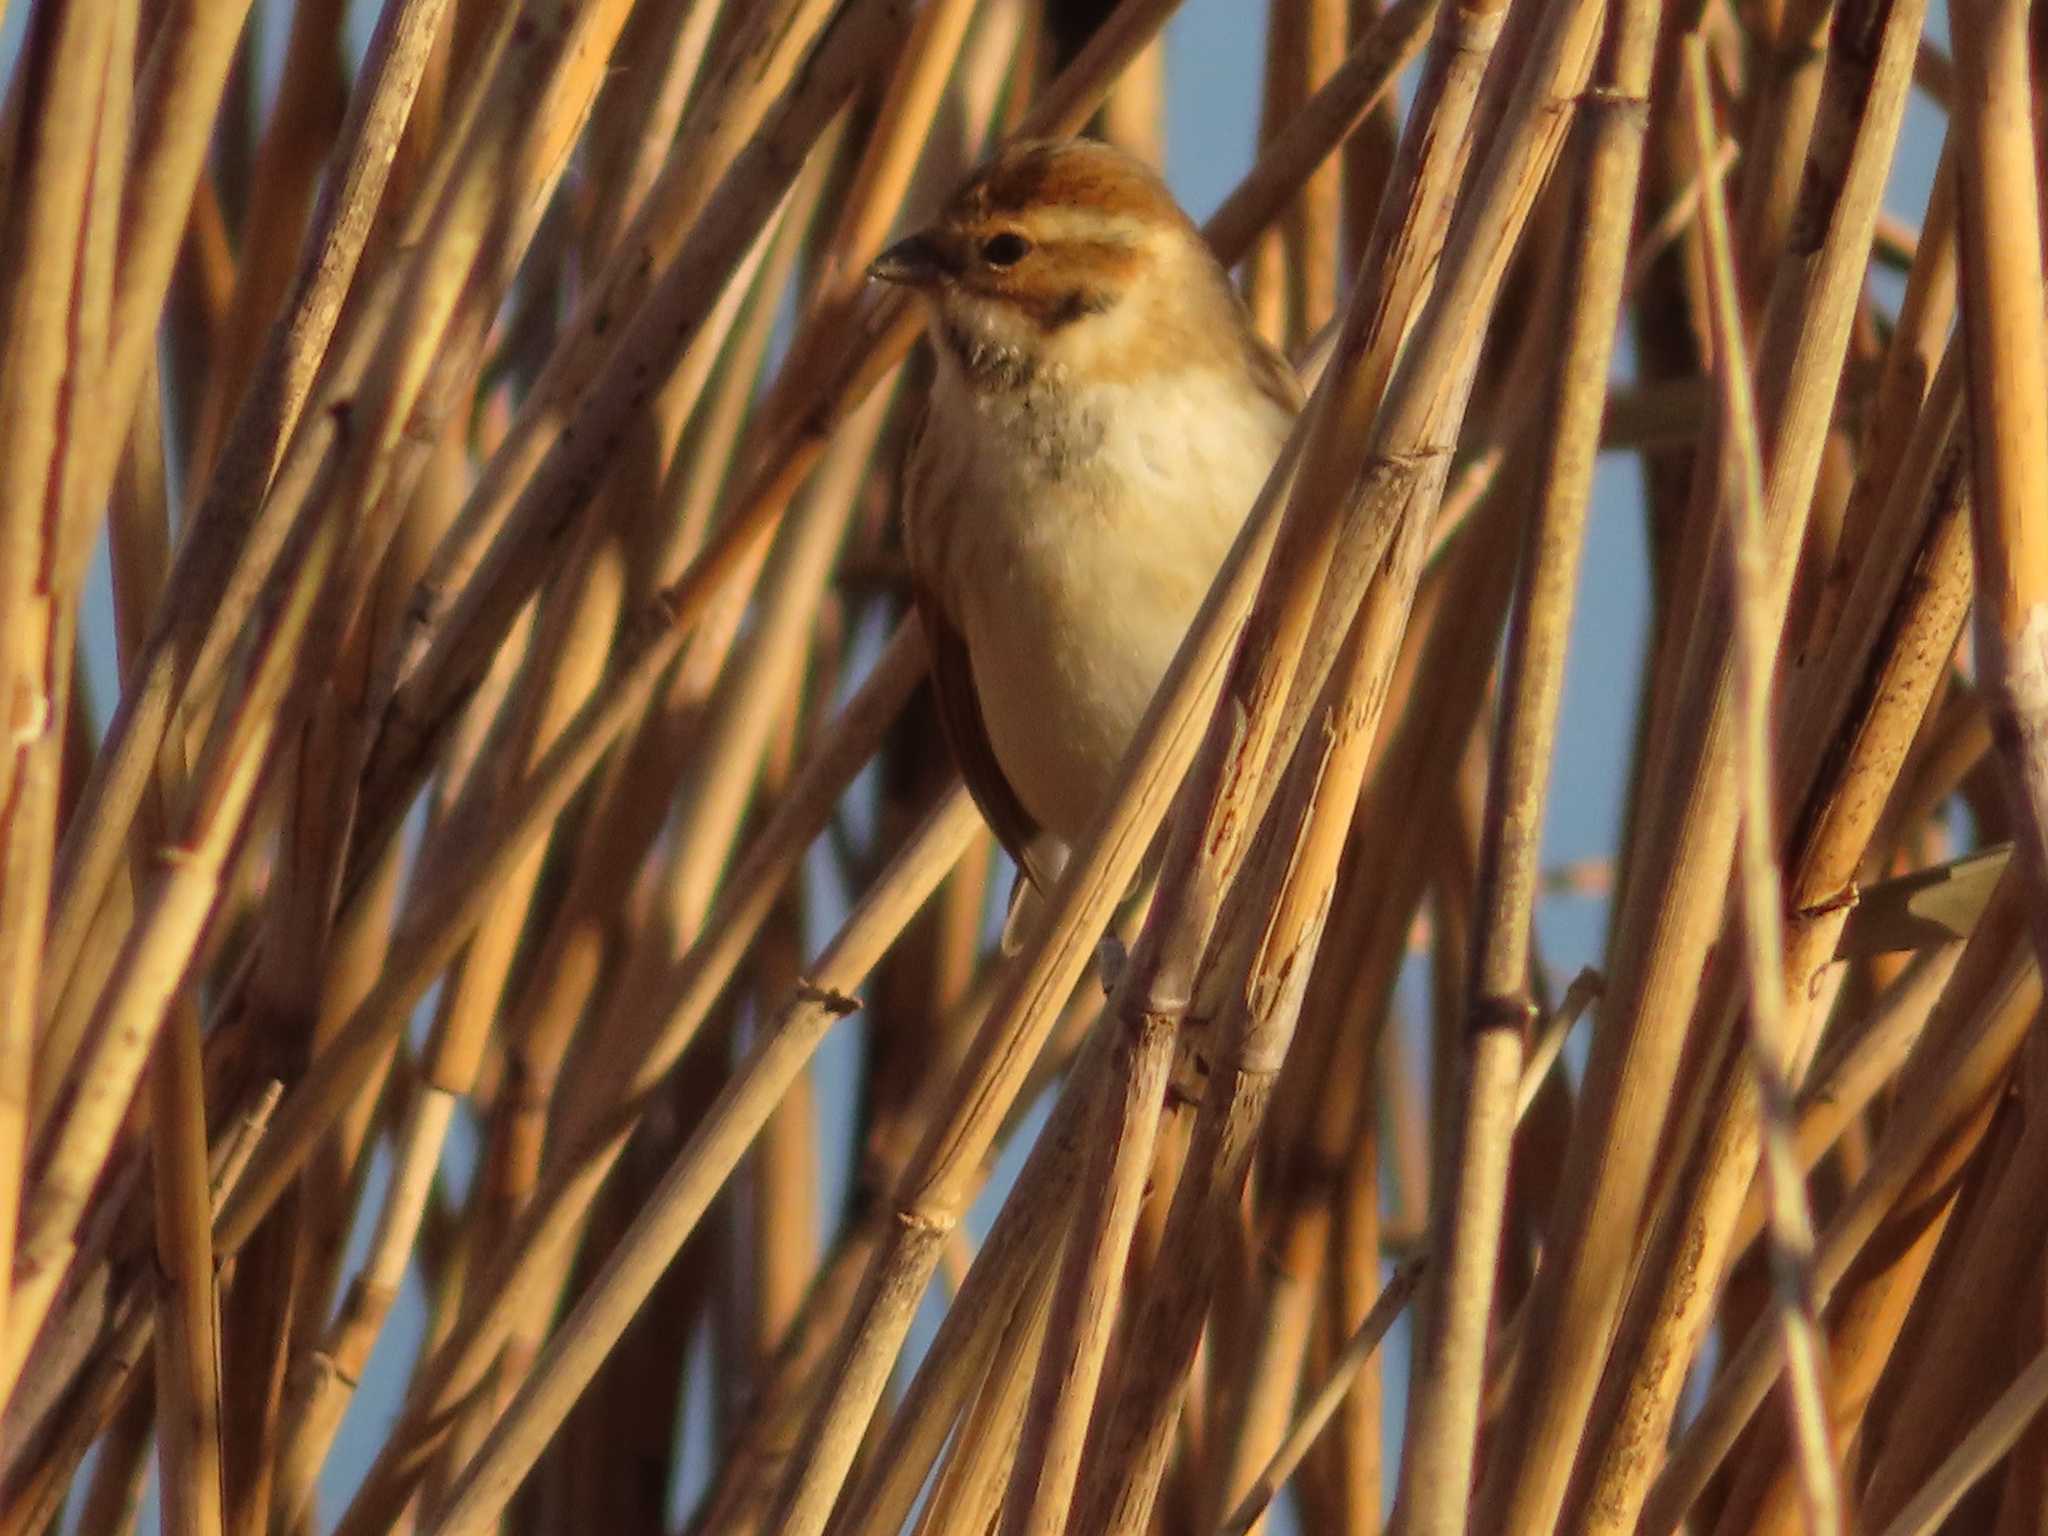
1755 651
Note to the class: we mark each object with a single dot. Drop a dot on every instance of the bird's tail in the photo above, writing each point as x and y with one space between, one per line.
1027 897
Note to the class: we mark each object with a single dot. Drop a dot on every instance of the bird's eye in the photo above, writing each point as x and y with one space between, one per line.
1005 250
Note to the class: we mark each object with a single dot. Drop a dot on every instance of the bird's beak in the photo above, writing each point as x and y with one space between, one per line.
917 262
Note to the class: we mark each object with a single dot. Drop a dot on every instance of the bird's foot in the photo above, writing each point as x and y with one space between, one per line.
1111 960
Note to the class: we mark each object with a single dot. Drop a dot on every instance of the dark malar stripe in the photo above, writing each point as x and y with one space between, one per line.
1055 312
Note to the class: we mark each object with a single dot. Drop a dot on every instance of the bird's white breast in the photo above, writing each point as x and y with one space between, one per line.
1072 534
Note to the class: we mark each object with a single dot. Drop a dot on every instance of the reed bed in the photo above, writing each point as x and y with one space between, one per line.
464 430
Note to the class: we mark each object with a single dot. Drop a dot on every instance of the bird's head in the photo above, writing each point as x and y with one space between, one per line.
1064 254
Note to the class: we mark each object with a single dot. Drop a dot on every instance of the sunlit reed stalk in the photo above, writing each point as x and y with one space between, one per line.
1791 1221
1987 1011
282 380
494 445
1658 943
1438 1452
45 374
1998 232
576 1349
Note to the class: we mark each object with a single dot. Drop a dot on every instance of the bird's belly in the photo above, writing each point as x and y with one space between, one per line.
1073 575
1065 663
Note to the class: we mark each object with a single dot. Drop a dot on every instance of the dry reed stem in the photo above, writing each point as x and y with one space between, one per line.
121 1358
967 1494
1014 1263
1341 1379
352 1053
1930 612
225 527
874 200
190 1466
756 73
570 990
1869 689
1438 1447
1953 1361
579 1346
691 990
344 456
1376 568
2004 316
545 164
284 176
1322 1407
1320 1099
629 804
1979 1451
733 734
659 334
1843 1086
1660 936
69 57
1965 1053
564 661
72 1150
1350 1459
734 731
1916 350
1755 651
1226 782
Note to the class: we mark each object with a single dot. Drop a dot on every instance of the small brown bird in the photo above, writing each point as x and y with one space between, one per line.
1101 418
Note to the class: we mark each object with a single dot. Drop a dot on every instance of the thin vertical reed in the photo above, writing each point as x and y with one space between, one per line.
1999 233
1438 1450
1791 1221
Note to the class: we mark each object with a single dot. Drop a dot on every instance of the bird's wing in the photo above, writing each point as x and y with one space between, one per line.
960 717
967 734
1271 371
